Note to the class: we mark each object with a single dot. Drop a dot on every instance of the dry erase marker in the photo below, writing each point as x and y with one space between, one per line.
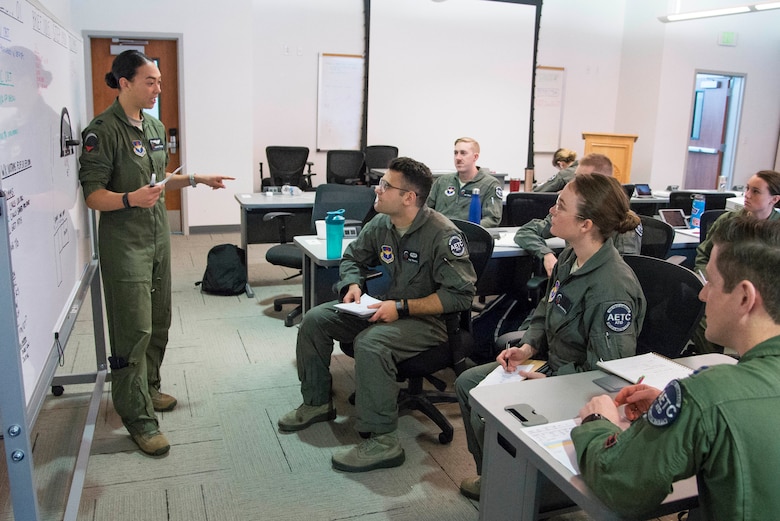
154 179
641 379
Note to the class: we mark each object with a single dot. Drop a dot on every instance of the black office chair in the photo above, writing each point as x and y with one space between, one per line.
285 167
657 237
450 354
707 218
673 306
357 201
345 166
378 156
522 207
629 189
683 200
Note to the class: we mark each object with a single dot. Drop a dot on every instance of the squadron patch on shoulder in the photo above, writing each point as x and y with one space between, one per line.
554 291
450 191
91 142
499 192
138 148
639 230
666 408
457 246
618 317
387 254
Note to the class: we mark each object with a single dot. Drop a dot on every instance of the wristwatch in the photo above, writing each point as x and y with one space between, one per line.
592 417
193 183
402 308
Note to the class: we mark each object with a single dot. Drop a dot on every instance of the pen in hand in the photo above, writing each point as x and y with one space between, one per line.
154 179
641 379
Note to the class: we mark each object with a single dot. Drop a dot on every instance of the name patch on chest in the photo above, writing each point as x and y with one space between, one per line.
156 144
618 317
412 256
562 302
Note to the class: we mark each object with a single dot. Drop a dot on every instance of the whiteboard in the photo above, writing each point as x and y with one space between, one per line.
443 70
47 223
548 108
339 101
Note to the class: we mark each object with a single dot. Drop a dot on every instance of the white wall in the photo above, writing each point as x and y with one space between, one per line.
250 79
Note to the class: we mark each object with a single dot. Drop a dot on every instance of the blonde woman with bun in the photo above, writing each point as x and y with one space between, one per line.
565 161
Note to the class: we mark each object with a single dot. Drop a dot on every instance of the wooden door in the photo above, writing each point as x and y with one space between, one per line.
708 133
164 52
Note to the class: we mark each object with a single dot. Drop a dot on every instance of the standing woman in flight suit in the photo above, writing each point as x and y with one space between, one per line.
123 149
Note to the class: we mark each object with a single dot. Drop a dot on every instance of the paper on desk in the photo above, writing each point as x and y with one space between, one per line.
555 438
500 376
506 239
361 309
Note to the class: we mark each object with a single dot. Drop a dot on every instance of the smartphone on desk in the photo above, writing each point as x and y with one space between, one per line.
526 414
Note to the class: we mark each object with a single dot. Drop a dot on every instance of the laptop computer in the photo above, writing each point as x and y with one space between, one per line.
643 190
676 219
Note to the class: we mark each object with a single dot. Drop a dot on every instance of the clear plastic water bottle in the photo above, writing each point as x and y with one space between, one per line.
475 209
697 208
334 233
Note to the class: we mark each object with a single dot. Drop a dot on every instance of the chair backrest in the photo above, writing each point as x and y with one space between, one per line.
378 156
286 164
357 201
480 244
657 237
673 306
522 207
707 218
344 166
629 189
684 200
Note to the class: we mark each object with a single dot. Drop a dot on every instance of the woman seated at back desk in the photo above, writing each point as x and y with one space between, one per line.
595 305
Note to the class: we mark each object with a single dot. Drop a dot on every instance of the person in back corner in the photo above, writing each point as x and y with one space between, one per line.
565 161
531 236
595 306
721 423
762 197
427 260
122 149
451 193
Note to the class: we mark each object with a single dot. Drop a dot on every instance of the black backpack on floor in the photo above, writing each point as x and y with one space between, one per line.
225 271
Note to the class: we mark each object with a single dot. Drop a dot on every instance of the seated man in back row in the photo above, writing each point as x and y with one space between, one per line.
451 193
719 424
531 236
427 260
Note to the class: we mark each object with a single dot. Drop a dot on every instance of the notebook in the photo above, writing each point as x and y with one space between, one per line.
656 369
361 309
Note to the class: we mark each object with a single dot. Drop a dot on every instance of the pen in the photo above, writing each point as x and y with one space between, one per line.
543 368
703 278
641 378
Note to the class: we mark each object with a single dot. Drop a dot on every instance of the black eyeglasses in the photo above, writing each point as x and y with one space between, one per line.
384 185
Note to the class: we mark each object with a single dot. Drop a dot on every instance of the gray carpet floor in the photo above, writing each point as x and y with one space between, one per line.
231 364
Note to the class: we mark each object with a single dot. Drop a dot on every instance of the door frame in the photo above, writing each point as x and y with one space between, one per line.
733 118
87 36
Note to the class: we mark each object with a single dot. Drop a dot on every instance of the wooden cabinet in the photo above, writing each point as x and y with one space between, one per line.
617 147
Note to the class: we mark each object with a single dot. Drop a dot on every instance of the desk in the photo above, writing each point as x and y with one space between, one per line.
505 271
514 463
254 231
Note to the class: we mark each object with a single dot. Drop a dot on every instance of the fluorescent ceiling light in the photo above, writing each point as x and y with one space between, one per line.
678 17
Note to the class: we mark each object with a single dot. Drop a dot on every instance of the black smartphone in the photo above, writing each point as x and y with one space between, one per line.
526 414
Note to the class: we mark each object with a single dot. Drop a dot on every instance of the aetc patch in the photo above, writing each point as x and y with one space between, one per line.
450 191
457 246
499 192
387 254
618 317
665 409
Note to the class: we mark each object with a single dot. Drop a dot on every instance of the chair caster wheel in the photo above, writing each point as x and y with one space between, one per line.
277 307
57 390
445 438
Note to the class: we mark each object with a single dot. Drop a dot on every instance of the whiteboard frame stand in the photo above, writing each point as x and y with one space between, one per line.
18 418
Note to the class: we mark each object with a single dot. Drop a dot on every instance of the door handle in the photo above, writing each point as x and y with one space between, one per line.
703 150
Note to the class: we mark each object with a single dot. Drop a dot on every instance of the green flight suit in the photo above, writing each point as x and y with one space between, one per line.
559 180
594 313
135 257
453 200
703 252
431 257
531 237
720 425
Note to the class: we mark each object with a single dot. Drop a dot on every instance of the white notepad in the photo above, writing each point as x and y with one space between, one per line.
656 369
360 310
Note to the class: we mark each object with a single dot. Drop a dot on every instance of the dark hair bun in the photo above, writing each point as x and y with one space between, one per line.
111 80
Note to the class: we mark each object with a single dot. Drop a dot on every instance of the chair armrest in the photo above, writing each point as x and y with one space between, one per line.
677 259
273 215
536 282
282 216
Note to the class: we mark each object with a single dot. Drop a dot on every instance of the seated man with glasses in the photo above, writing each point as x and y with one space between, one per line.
427 260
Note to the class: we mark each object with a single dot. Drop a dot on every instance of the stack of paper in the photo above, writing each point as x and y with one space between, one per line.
361 309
